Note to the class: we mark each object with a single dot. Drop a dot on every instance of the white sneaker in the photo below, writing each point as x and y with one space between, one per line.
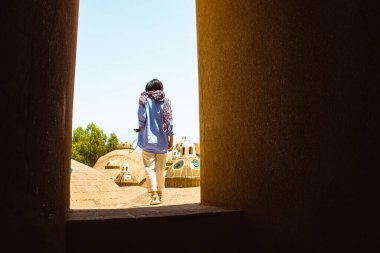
155 200
161 198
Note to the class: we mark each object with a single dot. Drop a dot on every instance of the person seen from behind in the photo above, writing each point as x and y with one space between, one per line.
155 136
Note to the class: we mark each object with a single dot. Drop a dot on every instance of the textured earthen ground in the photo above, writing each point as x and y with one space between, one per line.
91 189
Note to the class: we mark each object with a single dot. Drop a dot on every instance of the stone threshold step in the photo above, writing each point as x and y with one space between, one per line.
147 212
180 228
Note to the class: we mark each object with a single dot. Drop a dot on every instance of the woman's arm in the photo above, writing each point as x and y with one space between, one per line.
141 116
170 147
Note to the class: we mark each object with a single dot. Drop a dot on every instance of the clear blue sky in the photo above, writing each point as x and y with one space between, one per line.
123 44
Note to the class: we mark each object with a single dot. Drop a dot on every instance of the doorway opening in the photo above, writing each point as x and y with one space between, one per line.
122 46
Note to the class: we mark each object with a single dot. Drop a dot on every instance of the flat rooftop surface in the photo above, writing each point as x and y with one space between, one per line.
131 196
92 189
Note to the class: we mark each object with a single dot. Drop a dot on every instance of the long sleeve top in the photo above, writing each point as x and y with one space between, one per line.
151 136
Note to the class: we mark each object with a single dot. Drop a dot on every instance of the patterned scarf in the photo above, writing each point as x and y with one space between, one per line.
159 96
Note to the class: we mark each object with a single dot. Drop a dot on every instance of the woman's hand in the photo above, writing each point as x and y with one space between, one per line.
170 147
138 129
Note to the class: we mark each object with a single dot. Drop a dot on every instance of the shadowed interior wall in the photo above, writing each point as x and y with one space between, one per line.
288 98
38 45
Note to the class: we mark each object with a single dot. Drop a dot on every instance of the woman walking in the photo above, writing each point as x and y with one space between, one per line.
155 136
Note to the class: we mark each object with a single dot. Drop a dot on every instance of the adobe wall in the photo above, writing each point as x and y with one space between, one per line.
38 45
287 103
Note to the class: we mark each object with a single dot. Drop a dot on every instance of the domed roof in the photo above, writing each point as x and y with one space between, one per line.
90 188
126 177
184 172
121 156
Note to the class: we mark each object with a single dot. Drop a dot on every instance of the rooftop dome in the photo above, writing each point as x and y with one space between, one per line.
90 188
119 157
124 145
184 172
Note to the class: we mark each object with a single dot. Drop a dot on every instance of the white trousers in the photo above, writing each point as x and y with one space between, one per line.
155 168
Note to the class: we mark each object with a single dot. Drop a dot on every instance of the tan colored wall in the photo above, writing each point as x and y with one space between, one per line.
287 100
37 62
289 86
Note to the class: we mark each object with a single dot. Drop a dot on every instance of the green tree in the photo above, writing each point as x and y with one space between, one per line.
91 143
112 142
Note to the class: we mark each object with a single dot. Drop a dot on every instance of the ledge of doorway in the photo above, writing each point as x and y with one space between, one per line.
148 212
